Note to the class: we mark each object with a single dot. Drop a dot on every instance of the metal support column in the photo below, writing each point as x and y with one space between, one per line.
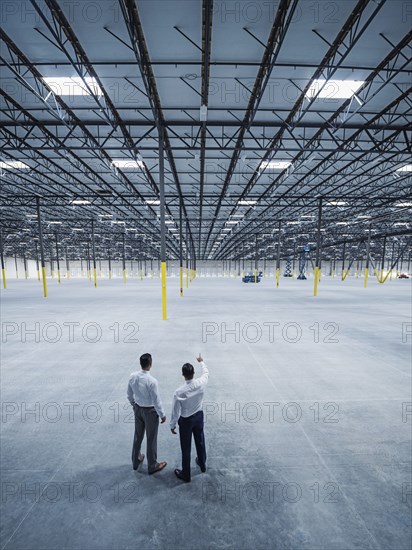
15 265
187 256
343 261
37 260
88 262
43 264
317 260
57 256
162 221
383 259
181 246
278 257
67 264
110 263
94 257
124 257
256 256
26 273
3 269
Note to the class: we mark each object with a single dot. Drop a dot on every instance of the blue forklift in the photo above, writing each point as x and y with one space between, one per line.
251 278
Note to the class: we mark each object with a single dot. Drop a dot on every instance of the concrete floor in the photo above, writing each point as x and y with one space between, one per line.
315 454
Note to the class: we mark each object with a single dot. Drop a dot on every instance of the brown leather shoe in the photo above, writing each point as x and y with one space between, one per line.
159 466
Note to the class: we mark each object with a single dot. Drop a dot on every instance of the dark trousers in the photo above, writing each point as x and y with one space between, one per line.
188 426
145 420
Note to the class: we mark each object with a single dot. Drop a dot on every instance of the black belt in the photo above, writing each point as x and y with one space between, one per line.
140 407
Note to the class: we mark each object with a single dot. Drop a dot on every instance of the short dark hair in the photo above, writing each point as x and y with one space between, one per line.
145 360
188 371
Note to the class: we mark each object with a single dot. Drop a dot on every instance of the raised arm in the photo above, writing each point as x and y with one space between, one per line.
204 377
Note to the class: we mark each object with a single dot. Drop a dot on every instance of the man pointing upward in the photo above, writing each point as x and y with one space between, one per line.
188 413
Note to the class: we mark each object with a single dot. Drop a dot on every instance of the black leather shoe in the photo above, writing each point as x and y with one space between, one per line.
178 474
202 468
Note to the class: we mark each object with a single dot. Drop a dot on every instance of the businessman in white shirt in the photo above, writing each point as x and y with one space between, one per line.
143 394
188 413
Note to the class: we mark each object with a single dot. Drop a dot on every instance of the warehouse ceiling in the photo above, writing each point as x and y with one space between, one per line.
265 108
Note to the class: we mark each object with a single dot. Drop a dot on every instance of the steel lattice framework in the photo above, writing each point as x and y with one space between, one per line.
250 148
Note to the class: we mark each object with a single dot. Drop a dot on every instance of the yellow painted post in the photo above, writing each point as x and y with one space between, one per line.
187 277
43 269
164 302
110 274
38 274
365 282
124 275
3 276
255 276
58 275
277 276
293 274
316 280
68 274
95 277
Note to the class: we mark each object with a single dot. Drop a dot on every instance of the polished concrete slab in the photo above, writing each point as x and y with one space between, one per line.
308 415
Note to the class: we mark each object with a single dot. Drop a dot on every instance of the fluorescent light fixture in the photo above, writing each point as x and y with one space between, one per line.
31 215
401 223
118 223
363 217
77 229
307 216
127 163
333 89
80 201
341 223
404 204
292 223
168 222
13 165
247 202
106 215
153 201
406 168
275 164
232 222
56 222
337 203
71 86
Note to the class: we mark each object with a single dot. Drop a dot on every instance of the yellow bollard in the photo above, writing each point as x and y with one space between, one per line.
58 275
255 275
124 275
181 281
293 274
43 269
277 277
26 274
365 282
315 281
110 274
141 275
68 274
164 303
187 277
95 277
3 276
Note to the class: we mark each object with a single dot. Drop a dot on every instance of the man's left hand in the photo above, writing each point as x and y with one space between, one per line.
173 430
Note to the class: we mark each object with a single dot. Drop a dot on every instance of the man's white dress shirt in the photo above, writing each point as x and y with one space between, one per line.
188 399
143 389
